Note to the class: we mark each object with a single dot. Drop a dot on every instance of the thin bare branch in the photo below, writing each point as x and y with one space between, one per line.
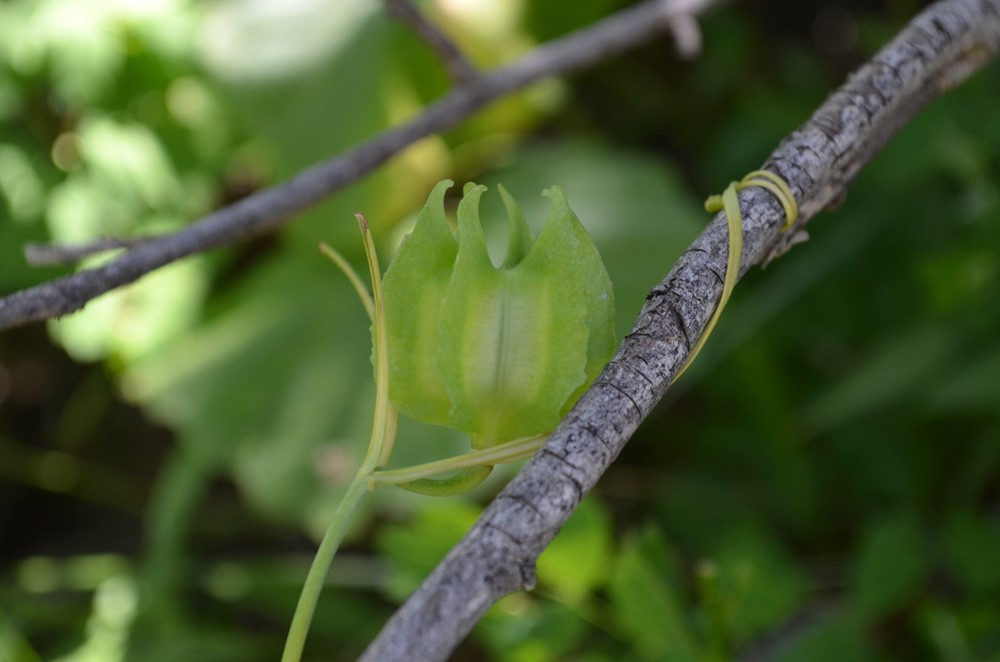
271 208
39 255
938 50
687 36
461 70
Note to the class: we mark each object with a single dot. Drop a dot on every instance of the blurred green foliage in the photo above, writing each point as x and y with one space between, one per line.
824 483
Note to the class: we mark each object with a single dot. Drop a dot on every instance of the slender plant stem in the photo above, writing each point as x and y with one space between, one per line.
512 451
320 567
379 448
352 275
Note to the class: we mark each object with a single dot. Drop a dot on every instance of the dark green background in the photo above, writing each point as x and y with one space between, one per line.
823 484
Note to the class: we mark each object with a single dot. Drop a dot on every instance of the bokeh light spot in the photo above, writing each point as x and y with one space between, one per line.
66 152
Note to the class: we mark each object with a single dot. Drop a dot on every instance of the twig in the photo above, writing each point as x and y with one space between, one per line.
461 70
271 208
939 49
39 255
687 36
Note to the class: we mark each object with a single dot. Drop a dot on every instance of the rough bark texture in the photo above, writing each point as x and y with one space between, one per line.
271 208
939 49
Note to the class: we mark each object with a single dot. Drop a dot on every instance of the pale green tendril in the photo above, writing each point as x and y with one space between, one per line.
729 202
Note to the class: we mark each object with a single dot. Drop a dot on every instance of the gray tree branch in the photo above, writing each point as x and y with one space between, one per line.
40 255
270 208
936 51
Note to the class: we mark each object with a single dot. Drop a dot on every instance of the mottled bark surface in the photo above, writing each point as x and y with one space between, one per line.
938 50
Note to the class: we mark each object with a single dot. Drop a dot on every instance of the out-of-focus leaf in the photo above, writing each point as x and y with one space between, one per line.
944 630
128 323
255 41
974 386
891 565
83 208
646 607
126 184
685 501
976 470
578 559
327 97
20 184
489 33
759 586
277 387
267 384
548 20
133 162
78 41
973 547
896 369
413 549
960 277
322 105
520 629
833 641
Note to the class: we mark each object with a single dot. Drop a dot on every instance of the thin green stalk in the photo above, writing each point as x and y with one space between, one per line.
320 567
512 451
379 448
352 275
177 495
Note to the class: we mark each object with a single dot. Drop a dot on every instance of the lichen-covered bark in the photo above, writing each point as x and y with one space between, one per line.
938 49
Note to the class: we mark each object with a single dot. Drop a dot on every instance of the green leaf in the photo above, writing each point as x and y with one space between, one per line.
970 387
758 585
415 284
892 566
521 334
973 547
271 387
578 559
414 548
636 207
832 641
498 353
521 239
522 629
895 370
646 607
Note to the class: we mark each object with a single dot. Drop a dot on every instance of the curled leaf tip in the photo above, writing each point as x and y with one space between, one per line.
521 240
554 193
362 222
471 186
